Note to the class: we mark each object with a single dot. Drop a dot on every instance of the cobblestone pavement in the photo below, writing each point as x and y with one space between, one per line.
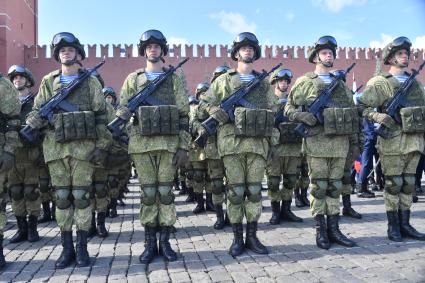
293 256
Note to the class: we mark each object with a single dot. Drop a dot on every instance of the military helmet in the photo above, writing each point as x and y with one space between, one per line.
242 39
324 42
109 91
152 36
281 74
193 100
219 71
202 87
66 39
390 49
22 71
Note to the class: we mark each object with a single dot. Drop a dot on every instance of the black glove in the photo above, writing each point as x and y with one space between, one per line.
7 160
180 158
98 156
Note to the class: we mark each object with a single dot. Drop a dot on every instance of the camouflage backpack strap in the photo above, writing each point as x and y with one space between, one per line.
235 81
55 80
140 79
318 84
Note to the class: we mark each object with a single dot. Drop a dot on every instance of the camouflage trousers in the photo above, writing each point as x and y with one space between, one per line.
325 184
3 196
216 184
71 173
197 173
156 174
288 167
244 173
346 179
44 184
99 197
399 172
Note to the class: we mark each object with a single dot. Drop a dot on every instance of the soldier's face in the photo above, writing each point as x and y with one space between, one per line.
326 57
282 85
109 99
401 57
20 82
246 54
153 52
67 54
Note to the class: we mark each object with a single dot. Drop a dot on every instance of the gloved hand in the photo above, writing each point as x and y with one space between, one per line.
123 113
180 158
383 119
305 117
98 156
219 114
7 160
35 121
201 131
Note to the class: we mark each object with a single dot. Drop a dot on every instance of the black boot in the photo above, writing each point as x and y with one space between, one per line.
67 256
347 210
393 230
251 241
227 220
304 197
209 206
322 240
32 229
406 229
219 223
415 199
22 233
83 258
335 235
151 247
101 229
199 208
164 244
183 188
190 195
113 208
275 219
2 259
53 211
47 214
120 201
92 230
363 192
298 200
237 247
286 214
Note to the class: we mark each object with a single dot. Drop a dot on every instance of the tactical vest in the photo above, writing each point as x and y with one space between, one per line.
26 109
286 128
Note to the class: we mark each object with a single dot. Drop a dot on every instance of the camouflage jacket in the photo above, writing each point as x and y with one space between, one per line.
9 109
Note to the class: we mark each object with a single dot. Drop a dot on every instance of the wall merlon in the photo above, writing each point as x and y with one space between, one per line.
91 50
201 50
104 50
212 51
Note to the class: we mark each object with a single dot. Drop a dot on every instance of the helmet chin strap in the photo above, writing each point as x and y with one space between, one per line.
399 65
72 62
281 90
327 65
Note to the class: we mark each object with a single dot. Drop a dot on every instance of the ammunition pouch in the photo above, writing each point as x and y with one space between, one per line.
253 122
158 120
413 119
288 133
71 126
341 121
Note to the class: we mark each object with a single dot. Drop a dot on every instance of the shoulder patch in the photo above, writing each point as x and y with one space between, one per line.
311 75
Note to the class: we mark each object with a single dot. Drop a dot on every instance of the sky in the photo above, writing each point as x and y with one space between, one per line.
354 23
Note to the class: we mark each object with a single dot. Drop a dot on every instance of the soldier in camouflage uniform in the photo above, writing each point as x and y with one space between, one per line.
9 140
400 152
23 178
326 150
76 142
244 144
46 192
288 164
158 143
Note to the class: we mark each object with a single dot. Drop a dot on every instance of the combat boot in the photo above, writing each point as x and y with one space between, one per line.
151 247
322 240
53 211
304 197
199 208
101 229
237 247
47 214
393 230
92 229
164 244
22 233
251 241
363 192
219 223
32 229
190 195
113 208
209 206
286 214
183 188
335 235
406 229
298 200
347 210
82 255
2 259
275 219
67 256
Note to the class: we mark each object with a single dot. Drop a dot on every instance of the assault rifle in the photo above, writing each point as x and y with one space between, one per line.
229 104
58 102
323 100
143 97
398 101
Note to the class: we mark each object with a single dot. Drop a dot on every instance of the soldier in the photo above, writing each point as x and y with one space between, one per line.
70 158
243 150
400 152
156 151
9 109
326 151
23 177
288 164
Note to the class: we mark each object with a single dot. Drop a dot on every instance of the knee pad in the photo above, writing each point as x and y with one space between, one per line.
217 186
189 174
254 192
393 184
408 186
31 192
44 185
63 197
100 189
81 197
166 195
334 188
290 181
318 188
346 179
198 176
113 181
273 183
148 195
16 192
236 194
